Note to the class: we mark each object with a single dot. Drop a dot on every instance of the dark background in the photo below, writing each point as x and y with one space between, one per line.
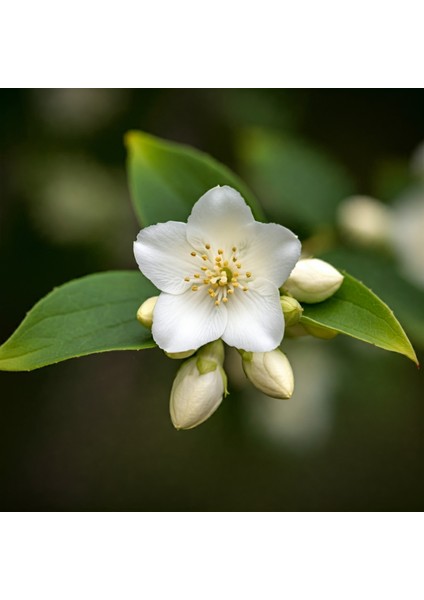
94 433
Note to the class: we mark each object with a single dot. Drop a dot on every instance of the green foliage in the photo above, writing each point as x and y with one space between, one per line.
356 311
166 178
405 298
96 313
297 181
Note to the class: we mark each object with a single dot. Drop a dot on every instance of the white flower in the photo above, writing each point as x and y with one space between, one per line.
198 388
219 275
313 280
270 372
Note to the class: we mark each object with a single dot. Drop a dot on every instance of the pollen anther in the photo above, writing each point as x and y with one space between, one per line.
194 288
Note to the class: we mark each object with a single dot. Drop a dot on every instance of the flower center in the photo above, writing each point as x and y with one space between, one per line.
217 275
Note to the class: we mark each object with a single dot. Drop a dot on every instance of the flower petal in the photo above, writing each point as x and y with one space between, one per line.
163 256
187 321
217 217
255 319
272 252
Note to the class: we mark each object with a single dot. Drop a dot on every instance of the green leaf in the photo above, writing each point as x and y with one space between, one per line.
96 313
406 299
356 311
297 181
167 178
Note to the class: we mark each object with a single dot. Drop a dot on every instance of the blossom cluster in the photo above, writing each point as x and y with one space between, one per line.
225 277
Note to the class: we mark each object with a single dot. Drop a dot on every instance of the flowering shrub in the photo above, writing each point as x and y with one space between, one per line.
212 272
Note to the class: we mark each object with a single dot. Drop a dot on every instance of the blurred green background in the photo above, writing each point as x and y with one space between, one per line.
94 433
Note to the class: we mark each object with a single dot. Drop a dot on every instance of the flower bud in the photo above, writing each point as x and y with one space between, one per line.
198 388
180 355
270 372
292 310
320 331
365 220
145 312
313 280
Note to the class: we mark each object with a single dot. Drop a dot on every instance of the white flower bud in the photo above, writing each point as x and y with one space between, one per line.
270 372
292 310
145 312
198 388
180 355
365 220
313 280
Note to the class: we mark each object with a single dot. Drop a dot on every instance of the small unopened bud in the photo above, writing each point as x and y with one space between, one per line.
145 312
292 310
313 280
270 372
320 331
198 388
180 355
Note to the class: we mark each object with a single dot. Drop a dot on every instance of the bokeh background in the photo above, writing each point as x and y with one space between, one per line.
94 433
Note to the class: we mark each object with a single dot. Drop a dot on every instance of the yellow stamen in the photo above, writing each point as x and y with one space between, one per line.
193 253
245 289
207 246
216 302
206 281
248 274
197 275
186 278
204 268
225 299
238 265
220 251
204 257
195 288
234 249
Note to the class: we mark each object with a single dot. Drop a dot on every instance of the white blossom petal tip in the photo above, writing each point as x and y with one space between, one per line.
219 275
